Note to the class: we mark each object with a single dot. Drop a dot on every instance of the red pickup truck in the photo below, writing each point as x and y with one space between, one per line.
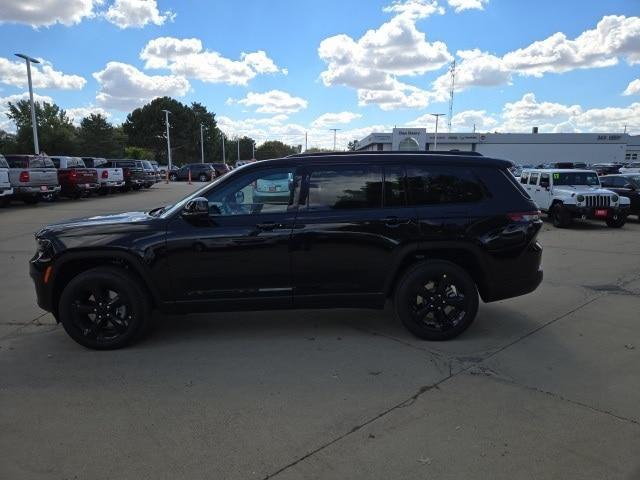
75 178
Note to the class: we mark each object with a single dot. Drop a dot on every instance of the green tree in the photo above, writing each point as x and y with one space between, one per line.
98 138
8 143
138 153
145 127
274 149
352 146
317 150
231 149
56 133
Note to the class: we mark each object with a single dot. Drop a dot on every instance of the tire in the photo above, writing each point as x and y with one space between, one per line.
5 201
50 197
104 330
32 200
560 217
173 177
453 296
617 221
202 177
137 187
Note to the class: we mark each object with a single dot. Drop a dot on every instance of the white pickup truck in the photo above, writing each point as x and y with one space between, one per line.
565 194
110 178
5 185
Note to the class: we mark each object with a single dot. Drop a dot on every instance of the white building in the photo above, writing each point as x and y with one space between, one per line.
521 148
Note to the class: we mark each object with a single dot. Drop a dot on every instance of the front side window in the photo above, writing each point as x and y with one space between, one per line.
442 185
524 178
262 192
533 179
344 187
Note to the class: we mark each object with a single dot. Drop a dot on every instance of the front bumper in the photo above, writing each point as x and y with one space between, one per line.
577 211
37 270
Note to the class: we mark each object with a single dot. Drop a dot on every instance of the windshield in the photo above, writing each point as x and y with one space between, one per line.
576 178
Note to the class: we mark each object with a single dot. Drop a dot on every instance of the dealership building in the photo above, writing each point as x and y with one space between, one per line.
522 148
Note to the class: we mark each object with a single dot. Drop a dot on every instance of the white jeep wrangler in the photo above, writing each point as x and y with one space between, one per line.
567 194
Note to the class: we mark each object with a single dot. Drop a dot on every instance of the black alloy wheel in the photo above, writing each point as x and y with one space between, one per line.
103 308
436 300
560 216
202 177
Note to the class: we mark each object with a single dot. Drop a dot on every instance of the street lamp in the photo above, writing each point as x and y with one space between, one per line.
224 158
435 138
334 130
29 59
166 119
201 143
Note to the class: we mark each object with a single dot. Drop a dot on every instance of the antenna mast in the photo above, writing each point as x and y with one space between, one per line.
452 71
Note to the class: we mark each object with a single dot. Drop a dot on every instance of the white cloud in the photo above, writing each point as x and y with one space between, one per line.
136 13
7 124
76 114
633 88
124 87
527 112
14 72
273 101
462 122
373 63
460 5
42 13
339 118
188 58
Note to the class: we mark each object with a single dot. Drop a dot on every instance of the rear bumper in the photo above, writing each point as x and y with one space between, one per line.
6 191
36 190
111 184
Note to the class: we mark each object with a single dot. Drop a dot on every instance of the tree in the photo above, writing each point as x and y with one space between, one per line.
317 150
231 149
8 143
274 149
98 138
56 133
137 153
145 127
352 146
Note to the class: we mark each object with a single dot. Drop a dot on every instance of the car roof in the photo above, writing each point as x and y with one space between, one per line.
560 170
384 157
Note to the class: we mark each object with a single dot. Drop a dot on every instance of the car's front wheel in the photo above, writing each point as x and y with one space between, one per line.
560 216
104 308
436 300
173 177
616 221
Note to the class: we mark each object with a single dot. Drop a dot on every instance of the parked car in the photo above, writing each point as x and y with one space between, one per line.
626 185
110 178
76 180
565 194
203 172
163 170
220 168
606 168
33 178
150 177
5 185
156 169
432 231
134 176
633 167
272 188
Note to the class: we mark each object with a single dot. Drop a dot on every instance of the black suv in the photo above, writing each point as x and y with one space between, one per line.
203 172
432 231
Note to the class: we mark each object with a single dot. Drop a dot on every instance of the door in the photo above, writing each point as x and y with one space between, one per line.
345 241
534 191
239 257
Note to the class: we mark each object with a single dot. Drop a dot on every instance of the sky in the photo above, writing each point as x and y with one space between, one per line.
277 69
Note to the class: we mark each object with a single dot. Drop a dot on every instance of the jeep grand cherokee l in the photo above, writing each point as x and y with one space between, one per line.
433 232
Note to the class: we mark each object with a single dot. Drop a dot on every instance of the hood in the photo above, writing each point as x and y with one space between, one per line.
101 224
582 189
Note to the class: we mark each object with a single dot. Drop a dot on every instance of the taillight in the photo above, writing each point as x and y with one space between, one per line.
24 176
127 173
524 216
73 174
105 174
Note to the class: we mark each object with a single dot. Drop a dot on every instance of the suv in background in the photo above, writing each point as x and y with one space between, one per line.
220 168
565 194
202 172
434 232
631 168
75 178
33 178
5 185
150 177
626 185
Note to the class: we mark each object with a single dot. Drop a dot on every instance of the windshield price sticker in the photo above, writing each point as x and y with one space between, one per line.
556 176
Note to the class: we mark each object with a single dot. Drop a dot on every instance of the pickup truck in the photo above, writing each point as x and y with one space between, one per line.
134 176
149 173
76 180
110 178
33 178
5 185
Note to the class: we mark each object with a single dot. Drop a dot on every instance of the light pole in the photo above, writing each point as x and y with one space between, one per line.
435 138
253 150
224 158
334 130
28 59
238 150
166 119
201 143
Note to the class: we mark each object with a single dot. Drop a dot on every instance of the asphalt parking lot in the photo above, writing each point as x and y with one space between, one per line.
544 386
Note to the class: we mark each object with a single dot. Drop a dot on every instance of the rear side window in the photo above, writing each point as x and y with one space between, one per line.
344 187
18 162
533 179
395 192
435 185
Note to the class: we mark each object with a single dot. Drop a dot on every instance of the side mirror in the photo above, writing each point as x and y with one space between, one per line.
196 208
544 184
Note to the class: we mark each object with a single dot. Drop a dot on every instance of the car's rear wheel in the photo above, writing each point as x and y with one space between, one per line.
436 300
173 177
616 221
104 308
202 177
560 217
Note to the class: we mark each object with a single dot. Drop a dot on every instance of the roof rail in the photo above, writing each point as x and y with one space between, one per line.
388 152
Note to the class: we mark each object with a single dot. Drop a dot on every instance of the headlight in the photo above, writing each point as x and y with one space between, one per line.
580 198
614 198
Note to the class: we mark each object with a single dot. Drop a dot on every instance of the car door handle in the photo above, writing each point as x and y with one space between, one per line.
394 221
267 226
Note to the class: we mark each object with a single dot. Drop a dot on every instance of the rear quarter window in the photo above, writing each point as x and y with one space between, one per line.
18 162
